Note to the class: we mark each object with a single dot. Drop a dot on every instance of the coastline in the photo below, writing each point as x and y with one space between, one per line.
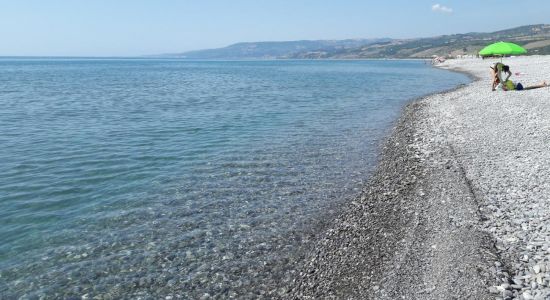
375 241
244 246
428 224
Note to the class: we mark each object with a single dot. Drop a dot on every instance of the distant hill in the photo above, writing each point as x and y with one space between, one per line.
264 50
535 38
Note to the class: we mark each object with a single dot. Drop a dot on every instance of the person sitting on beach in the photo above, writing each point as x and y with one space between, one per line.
498 72
509 85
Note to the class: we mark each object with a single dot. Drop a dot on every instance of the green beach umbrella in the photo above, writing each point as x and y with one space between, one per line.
501 49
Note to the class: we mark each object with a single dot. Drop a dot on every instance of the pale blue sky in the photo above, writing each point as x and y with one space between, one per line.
139 27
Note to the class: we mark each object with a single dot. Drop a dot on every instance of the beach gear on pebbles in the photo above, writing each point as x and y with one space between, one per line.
502 141
469 164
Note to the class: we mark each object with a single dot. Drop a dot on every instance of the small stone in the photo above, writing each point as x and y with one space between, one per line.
536 268
518 281
527 296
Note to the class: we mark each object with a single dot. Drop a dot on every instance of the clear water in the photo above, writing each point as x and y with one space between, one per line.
154 178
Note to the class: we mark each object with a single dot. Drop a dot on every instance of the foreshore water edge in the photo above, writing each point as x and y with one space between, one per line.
458 206
164 178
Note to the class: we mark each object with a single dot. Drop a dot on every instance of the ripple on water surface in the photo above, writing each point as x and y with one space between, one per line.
158 177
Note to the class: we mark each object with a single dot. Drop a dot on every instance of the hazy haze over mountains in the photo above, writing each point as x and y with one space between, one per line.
535 38
284 49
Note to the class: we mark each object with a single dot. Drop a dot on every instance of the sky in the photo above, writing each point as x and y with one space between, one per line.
144 27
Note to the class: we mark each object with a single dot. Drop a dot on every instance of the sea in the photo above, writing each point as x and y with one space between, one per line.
178 179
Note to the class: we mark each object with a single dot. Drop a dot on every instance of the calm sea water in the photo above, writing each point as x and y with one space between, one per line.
155 178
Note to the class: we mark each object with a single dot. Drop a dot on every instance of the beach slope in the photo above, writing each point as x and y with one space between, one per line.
458 207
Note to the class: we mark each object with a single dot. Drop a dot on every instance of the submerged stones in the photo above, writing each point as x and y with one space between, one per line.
496 144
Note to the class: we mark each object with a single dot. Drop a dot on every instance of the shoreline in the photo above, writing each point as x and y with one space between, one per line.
428 224
372 240
226 257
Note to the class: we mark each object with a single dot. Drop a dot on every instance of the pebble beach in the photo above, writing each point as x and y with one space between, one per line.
455 205
502 140
458 207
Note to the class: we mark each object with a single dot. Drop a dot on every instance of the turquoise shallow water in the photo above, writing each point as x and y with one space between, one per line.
162 177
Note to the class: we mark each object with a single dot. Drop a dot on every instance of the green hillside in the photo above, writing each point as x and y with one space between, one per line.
273 50
535 38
